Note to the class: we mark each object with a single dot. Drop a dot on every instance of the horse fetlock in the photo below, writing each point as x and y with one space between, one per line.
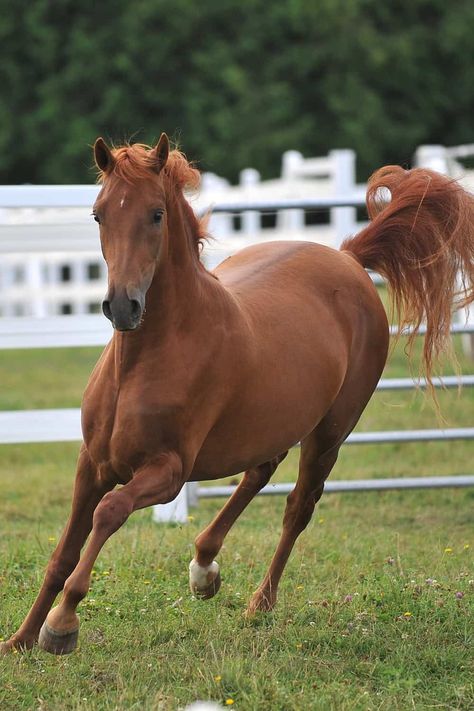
74 591
204 581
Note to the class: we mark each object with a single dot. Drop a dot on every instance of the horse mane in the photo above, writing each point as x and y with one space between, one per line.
133 163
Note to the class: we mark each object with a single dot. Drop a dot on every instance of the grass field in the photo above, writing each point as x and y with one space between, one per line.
376 608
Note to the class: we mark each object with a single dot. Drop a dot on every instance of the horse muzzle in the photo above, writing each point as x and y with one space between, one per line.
124 311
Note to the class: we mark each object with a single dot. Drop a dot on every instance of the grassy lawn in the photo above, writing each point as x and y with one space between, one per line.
376 607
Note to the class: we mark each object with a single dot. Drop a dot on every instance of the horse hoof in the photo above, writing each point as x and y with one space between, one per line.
14 645
204 582
5 648
259 603
56 642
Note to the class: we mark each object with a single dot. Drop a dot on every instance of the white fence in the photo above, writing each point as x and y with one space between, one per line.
50 263
50 257
63 425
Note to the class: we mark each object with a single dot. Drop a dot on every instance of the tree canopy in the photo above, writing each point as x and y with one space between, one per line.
236 83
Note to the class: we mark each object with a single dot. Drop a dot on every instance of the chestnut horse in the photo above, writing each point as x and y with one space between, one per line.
211 374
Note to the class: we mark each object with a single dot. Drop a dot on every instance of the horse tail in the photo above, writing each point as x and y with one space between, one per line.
422 242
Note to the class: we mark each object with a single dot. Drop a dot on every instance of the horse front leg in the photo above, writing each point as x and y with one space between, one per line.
88 491
158 483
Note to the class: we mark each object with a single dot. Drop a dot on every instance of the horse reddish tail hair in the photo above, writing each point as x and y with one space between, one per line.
422 242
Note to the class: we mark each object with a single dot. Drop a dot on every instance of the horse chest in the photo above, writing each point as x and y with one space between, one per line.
124 432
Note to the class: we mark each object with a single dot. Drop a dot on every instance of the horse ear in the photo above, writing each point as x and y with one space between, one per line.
103 156
161 152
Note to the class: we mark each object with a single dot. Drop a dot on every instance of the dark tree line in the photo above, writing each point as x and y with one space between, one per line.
236 81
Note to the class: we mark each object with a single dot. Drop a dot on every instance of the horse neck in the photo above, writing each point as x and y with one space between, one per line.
179 276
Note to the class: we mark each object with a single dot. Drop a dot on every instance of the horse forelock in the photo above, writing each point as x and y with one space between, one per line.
134 162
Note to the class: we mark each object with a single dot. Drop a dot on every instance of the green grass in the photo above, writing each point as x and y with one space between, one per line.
357 625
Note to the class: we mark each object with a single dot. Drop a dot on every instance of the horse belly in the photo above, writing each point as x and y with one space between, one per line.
266 420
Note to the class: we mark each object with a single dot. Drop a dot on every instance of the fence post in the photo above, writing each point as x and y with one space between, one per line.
433 157
34 281
467 339
219 224
291 220
193 494
174 512
343 219
251 218
79 279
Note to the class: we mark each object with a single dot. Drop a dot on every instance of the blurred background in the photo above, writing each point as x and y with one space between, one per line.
237 82
273 101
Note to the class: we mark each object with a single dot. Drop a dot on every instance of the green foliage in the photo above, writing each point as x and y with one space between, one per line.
240 82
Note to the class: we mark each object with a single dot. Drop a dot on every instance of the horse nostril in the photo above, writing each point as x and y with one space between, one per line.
136 308
106 310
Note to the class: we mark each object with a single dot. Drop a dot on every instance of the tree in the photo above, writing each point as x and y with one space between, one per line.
238 83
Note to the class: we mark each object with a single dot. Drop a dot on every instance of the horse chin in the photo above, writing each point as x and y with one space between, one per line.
124 328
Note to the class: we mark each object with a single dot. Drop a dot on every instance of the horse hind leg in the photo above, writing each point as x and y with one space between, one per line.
318 455
204 574
319 452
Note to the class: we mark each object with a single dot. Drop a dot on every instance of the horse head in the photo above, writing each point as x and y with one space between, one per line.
131 212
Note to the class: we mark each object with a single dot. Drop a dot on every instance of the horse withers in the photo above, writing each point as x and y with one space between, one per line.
211 374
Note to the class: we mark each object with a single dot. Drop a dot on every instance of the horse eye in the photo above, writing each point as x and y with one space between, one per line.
96 217
157 216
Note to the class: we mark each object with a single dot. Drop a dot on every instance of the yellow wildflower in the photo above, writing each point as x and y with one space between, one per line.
229 702
217 678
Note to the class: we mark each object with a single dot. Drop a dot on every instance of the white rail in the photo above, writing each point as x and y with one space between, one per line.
64 425
95 330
